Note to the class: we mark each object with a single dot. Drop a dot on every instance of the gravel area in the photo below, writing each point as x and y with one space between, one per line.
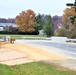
12 57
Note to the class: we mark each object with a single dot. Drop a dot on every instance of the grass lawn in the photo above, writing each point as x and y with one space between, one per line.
35 68
24 36
5 70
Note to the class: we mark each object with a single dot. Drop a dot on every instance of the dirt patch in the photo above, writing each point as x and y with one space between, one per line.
20 53
12 57
33 52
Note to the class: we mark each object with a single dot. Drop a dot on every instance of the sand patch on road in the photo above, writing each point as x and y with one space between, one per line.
33 52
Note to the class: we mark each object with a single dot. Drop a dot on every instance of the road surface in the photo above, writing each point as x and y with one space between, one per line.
62 48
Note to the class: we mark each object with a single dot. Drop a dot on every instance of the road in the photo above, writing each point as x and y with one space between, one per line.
62 48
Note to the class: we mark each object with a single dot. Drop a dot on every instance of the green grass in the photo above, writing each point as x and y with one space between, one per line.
5 70
35 68
26 36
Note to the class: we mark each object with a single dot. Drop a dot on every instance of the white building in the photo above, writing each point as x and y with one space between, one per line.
5 25
1 28
8 24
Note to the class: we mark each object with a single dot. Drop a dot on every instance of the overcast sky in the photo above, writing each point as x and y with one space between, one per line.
11 8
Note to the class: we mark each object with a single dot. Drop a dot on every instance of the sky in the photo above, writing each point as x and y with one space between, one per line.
12 8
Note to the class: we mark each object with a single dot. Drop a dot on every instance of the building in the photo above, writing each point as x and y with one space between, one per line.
8 24
1 28
5 25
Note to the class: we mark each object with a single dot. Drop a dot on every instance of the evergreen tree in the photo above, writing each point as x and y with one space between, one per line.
48 27
39 22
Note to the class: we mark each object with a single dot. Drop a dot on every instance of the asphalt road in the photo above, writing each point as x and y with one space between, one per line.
67 49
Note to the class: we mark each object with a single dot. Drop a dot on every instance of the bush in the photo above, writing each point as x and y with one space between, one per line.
72 34
19 32
61 32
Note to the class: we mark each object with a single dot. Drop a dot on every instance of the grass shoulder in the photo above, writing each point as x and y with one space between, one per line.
35 68
24 36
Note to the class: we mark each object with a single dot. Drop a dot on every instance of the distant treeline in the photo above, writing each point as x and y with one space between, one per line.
9 20
56 19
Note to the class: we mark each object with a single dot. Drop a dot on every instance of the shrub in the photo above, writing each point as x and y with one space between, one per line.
61 32
72 34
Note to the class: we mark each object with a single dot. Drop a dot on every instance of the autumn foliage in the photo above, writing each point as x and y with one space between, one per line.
68 15
25 21
69 18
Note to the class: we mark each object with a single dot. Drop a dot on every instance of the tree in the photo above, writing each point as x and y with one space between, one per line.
55 19
9 20
3 20
39 21
69 17
72 34
25 21
48 28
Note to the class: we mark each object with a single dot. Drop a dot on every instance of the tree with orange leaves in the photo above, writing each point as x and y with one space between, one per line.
25 21
69 17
